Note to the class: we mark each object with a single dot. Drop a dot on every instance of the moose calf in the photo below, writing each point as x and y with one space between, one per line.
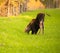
36 24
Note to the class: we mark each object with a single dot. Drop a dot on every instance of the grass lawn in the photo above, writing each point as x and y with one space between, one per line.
13 39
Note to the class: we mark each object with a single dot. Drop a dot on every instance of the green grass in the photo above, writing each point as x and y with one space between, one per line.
13 39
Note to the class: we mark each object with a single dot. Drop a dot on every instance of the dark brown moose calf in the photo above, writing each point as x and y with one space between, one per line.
36 24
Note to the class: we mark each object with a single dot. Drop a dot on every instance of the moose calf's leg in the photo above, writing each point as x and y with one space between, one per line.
27 30
42 27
